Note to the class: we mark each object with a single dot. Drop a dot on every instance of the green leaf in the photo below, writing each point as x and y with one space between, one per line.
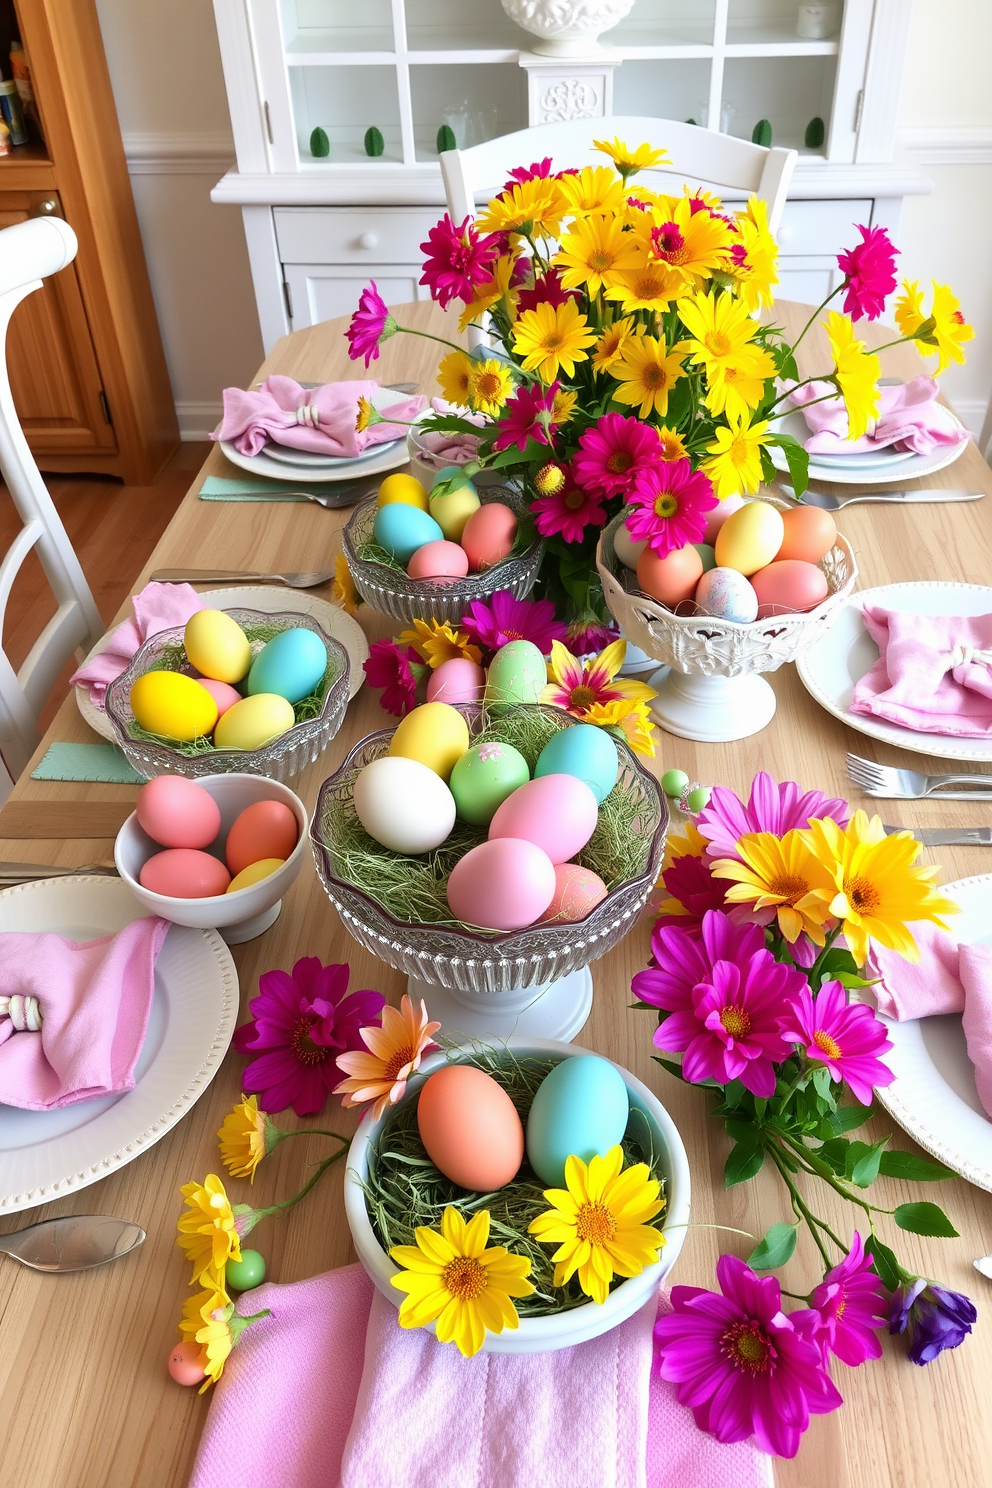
848 1118
822 1080
838 962
835 1154
740 1129
445 139
914 1169
884 1261
669 1065
865 1170
924 1218
742 1164
374 144
775 1249
847 980
796 458
768 471
733 1094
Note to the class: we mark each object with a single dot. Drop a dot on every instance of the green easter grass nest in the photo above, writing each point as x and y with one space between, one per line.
173 658
405 1190
414 889
370 551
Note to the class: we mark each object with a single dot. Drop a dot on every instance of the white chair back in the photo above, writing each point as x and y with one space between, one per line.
29 253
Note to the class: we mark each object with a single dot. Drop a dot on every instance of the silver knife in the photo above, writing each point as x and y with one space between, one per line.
826 502
948 836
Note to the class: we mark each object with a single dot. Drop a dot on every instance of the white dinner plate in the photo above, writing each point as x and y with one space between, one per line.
271 598
377 461
312 461
887 467
831 667
933 1096
45 1154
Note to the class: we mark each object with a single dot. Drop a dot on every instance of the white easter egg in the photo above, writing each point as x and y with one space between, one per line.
726 595
404 805
626 549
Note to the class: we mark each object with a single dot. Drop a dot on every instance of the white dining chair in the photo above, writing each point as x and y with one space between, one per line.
30 252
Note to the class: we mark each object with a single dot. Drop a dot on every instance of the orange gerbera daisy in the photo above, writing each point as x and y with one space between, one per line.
395 1052
577 686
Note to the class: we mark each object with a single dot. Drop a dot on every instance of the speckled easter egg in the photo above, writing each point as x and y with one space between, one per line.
457 680
517 673
483 778
726 595
577 892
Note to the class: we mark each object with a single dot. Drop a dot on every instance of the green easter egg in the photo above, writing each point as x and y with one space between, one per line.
698 798
517 674
707 554
761 134
445 139
374 144
483 778
320 145
247 1273
674 782
815 134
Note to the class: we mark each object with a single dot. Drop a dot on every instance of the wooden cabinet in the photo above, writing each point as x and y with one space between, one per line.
84 352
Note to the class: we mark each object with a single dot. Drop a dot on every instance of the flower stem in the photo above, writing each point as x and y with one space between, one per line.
288 1203
441 340
822 306
801 1210
819 1169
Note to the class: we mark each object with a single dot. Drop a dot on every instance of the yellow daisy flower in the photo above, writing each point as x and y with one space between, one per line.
875 890
599 1221
779 873
857 372
651 286
210 1320
576 685
454 375
647 371
672 447
366 415
719 330
753 257
691 244
534 207
738 387
631 715
452 1279
595 254
563 406
246 1136
491 291
593 189
550 339
435 642
735 463
949 330
490 384
343 591
627 160
611 343
206 1230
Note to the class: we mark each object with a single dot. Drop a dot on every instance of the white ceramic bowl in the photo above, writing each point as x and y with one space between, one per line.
247 912
537 1335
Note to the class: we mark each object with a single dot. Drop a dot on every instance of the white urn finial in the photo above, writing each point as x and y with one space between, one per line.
567 28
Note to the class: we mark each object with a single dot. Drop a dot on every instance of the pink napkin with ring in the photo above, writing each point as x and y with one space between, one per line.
909 418
157 607
949 977
73 1014
330 1392
933 674
441 447
321 419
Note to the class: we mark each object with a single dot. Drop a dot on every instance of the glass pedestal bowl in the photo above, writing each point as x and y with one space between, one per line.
710 687
534 982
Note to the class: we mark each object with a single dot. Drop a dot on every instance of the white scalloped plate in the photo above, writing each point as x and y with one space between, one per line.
933 1096
45 1154
889 468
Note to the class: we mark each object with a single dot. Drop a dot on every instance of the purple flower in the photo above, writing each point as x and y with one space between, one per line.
740 1364
539 171
869 273
934 1318
370 324
506 619
521 418
846 1037
299 1024
847 1309
771 808
395 672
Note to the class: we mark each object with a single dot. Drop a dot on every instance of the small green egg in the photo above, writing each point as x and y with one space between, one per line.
517 674
674 782
483 778
698 798
247 1273
707 555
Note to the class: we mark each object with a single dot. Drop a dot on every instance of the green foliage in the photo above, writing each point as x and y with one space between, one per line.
815 134
914 1169
374 143
798 462
884 1261
924 1218
320 145
849 1118
445 139
775 1249
742 1164
761 134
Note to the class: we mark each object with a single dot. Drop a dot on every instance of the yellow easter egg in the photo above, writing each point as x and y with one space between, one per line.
217 646
173 705
403 487
253 874
435 734
451 512
254 721
750 537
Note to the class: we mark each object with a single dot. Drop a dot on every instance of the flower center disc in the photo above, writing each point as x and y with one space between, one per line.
666 505
400 1058
654 379
488 386
553 341
600 261
862 894
464 1277
574 500
595 1223
717 343
582 696
746 1346
619 462
790 888
736 1021
303 1046
826 1044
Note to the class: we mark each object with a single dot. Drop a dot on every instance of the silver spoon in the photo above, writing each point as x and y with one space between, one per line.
76 1242
984 1265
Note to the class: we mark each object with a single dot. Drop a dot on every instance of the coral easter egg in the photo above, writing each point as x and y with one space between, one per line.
223 694
789 586
577 892
173 706
183 873
557 812
672 579
470 1128
265 829
457 680
217 646
184 1364
403 489
501 885
809 534
438 560
176 812
750 537
488 535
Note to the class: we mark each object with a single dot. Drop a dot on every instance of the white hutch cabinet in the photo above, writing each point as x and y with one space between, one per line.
319 227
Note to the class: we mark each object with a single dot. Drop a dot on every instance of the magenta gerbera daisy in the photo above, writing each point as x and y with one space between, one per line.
613 452
370 325
846 1037
539 171
846 1310
669 505
772 807
740 1364
546 290
457 260
869 272
526 416
569 511
690 884
300 1022
395 671
588 635
506 619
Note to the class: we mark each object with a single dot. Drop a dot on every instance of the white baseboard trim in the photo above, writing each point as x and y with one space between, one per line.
197 421
947 144
168 154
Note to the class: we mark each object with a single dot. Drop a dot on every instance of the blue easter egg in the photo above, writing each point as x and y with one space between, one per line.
290 665
585 751
402 529
580 1109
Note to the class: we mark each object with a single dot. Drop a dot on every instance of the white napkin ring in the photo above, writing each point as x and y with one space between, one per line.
309 415
23 1012
963 655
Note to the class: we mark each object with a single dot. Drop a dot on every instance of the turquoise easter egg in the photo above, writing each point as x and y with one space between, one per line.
483 778
580 1109
402 529
517 673
585 751
290 665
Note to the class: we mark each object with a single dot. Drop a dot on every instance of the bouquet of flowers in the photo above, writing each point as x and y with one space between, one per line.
772 910
627 365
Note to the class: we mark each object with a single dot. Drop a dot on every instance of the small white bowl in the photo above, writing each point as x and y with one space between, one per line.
538 1335
239 916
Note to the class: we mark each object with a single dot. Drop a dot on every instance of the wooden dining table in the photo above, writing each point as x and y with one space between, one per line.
86 1398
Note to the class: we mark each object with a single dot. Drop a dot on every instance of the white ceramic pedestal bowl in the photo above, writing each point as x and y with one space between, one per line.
710 687
239 916
560 1330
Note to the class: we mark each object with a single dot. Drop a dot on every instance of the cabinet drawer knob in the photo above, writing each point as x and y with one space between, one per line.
368 240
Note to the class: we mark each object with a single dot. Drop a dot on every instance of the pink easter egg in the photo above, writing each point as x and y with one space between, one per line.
716 518
577 892
489 535
558 813
502 885
184 1364
223 694
176 812
438 560
456 681
182 873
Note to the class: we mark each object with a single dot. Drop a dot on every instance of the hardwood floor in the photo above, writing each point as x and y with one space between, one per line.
113 529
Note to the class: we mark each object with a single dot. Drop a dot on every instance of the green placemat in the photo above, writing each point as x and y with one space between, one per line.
221 488
103 762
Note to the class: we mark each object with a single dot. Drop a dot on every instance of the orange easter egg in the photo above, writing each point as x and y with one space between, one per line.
671 579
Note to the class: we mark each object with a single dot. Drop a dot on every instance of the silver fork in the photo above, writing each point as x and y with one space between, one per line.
342 496
913 785
237 576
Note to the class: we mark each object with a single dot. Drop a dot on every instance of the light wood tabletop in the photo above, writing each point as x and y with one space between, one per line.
87 1402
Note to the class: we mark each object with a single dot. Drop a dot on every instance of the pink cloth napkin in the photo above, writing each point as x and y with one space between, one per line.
949 977
157 607
934 673
321 419
94 998
909 418
329 1392
447 447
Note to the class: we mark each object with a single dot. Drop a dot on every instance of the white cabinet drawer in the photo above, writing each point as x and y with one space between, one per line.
353 235
818 227
322 291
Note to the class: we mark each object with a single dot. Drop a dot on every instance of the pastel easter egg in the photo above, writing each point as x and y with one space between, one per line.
435 734
452 510
401 529
707 556
254 722
584 751
726 595
483 778
173 706
291 665
184 873
470 1128
718 514
265 829
254 874
558 813
626 549
457 680
403 805
488 535
438 560
789 586
577 892
244 1275
185 1365
177 812
809 534
217 646
223 694
750 537
501 885
403 489
580 1109
671 579
517 674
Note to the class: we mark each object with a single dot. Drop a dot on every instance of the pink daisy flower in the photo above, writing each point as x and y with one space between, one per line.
370 325
846 1310
457 259
546 290
844 1036
771 807
506 619
539 171
613 452
670 502
869 272
569 511
394 672
521 419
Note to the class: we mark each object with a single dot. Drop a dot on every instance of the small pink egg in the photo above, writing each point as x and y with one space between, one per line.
177 812
183 873
718 515
223 694
577 892
489 535
502 885
438 560
456 681
789 586
184 1364
556 812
